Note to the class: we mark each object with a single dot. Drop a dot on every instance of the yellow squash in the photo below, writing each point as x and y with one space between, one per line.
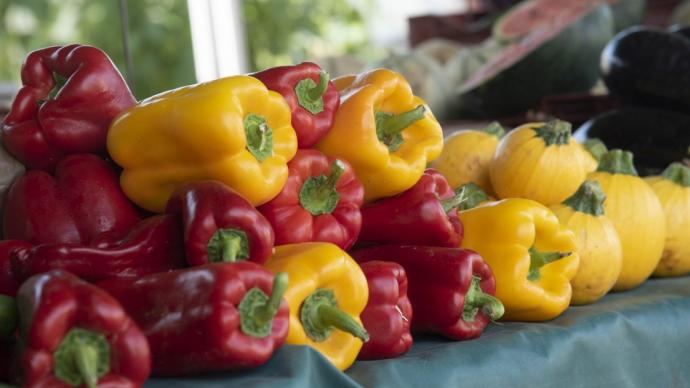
466 156
596 149
539 161
636 214
673 190
596 240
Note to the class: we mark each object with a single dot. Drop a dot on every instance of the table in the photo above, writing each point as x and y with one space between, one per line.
639 338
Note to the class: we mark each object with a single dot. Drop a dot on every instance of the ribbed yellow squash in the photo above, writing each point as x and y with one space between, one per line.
637 215
466 156
539 161
596 149
597 243
673 190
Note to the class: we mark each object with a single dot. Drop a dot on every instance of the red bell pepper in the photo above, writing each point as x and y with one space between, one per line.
312 97
154 245
320 202
223 315
74 333
8 284
425 214
82 200
220 225
388 313
69 98
451 289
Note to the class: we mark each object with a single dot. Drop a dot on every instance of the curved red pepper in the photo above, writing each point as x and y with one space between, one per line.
425 214
220 225
56 307
154 245
82 200
208 331
312 116
49 120
388 313
440 282
8 284
320 202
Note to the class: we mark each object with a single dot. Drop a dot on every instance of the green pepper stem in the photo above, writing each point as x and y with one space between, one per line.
589 199
678 173
540 259
617 162
231 248
86 360
318 194
455 201
596 147
8 316
474 196
495 129
394 124
554 132
58 82
318 91
475 298
266 312
330 315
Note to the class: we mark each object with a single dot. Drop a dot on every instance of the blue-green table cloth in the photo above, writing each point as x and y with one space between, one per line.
639 338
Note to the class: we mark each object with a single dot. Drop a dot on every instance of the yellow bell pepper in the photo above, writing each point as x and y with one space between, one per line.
327 292
672 188
533 258
386 133
232 130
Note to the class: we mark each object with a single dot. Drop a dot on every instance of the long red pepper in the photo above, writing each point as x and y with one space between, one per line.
388 314
73 334
80 201
451 289
210 317
220 225
154 245
312 97
70 96
425 214
319 203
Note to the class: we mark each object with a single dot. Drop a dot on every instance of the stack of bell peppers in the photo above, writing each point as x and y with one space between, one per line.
202 228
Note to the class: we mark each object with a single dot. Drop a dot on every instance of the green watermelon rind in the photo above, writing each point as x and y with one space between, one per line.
543 71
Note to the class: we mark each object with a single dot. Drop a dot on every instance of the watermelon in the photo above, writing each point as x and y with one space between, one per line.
425 75
553 47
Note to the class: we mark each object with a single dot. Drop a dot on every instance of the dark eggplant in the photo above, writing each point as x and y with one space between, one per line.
680 29
648 66
656 137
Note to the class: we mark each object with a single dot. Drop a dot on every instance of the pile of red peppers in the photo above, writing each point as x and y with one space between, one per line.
114 294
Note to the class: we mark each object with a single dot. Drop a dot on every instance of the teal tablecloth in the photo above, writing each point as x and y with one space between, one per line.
639 338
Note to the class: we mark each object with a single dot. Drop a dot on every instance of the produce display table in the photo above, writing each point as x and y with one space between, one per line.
639 338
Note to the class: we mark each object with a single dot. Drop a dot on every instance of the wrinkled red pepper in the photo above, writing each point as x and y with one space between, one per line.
320 202
8 284
312 97
154 245
220 225
388 313
425 214
74 333
451 289
69 98
82 200
224 316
